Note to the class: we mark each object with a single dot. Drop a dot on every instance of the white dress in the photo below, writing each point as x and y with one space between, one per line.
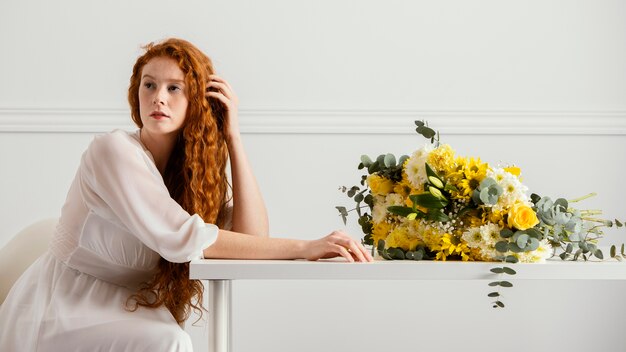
117 221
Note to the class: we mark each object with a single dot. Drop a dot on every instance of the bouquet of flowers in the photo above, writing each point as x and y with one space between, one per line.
438 205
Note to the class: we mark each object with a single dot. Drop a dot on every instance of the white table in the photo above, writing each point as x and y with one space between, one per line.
220 273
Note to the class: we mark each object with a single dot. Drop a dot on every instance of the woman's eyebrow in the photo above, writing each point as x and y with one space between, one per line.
167 79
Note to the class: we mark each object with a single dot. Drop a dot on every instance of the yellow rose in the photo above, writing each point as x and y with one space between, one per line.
380 185
522 217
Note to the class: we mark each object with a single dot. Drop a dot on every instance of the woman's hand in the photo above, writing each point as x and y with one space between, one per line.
335 245
218 88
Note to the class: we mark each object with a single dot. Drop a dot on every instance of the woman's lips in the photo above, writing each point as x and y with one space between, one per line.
158 115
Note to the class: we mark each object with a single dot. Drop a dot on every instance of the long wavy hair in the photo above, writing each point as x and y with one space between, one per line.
195 174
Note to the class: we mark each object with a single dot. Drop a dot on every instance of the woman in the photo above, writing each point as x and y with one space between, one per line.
142 205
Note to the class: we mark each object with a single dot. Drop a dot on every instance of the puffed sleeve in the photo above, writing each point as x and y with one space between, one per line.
119 181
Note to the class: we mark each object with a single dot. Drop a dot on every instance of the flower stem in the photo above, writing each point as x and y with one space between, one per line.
593 194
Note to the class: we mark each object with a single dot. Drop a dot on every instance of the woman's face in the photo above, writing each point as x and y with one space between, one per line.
162 96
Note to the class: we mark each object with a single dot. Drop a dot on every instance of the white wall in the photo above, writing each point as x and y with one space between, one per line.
538 83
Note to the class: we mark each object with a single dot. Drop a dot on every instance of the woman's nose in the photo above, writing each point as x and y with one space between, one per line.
159 98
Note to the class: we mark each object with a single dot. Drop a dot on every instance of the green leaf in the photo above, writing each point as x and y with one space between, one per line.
618 223
511 259
344 214
435 215
375 167
506 284
366 160
598 253
613 251
426 132
509 271
584 247
418 255
534 233
569 248
622 251
400 210
430 172
359 198
535 198
493 294
502 246
390 160
450 187
515 248
495 283
534 244
497 270
500 304
561 203
522 241
506 233
419 123
428 201
353 191
369 200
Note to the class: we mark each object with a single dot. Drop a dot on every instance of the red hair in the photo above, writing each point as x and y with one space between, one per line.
195 174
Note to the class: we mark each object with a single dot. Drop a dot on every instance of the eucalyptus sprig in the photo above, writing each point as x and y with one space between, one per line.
499 283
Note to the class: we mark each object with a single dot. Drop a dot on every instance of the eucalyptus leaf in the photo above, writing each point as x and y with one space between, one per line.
494 283
493 294
513 247
511 259
506 233
497 270
500 304
509 271
522 241
390 160
613 251
532 245
359 198
506 284
561 204
402 160
427 132
366 160
502 246
598 253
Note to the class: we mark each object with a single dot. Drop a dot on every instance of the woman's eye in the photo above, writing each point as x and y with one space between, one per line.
148 85
174 88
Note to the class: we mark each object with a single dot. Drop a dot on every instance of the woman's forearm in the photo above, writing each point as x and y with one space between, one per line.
234 245
249 212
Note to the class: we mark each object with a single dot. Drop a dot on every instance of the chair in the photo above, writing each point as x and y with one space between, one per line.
22 250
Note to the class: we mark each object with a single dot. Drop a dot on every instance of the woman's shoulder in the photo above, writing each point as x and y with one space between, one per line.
115 143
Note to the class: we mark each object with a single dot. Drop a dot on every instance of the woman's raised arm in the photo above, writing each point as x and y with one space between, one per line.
249 212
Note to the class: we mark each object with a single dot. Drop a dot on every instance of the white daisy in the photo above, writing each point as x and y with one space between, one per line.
415 167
